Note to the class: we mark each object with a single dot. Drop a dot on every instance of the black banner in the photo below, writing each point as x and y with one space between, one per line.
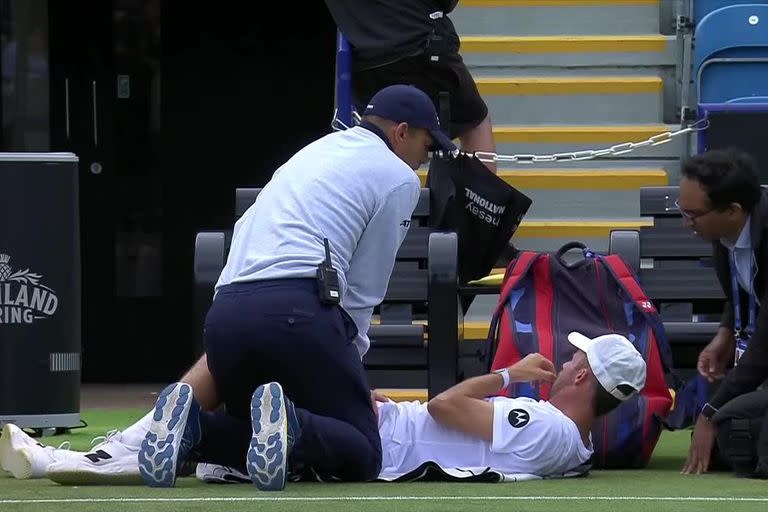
39 290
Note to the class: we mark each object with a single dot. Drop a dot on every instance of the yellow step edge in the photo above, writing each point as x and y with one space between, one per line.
564 44
582 179
476 330
404 395
624 179
553 3
576 229
422 395
541 85
576 134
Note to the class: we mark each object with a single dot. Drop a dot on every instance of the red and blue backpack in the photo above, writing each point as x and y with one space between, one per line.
544 297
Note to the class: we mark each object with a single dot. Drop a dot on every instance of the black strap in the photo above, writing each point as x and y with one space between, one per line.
444 111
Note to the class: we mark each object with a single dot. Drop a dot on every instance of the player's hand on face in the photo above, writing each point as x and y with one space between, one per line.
533 368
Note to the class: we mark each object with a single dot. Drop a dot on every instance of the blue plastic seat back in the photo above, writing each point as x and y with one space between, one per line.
703 7
731 54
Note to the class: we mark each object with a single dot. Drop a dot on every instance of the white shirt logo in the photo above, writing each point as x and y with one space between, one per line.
518 418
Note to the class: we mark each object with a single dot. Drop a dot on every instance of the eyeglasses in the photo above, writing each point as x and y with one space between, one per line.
692 216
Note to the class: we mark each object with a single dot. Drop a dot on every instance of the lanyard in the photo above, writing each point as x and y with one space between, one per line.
737 300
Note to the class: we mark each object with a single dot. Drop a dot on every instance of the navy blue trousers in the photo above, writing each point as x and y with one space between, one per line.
278 330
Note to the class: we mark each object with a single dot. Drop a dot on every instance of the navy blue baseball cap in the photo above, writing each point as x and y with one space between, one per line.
408 104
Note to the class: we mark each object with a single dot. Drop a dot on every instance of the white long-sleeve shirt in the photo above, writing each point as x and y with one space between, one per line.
348 187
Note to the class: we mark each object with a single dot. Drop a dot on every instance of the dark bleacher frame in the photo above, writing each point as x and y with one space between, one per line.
422 292
675 269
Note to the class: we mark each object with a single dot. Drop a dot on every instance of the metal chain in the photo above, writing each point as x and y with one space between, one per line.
618 149
574 156
338 125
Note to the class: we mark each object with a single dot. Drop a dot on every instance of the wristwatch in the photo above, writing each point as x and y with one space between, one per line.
504 372
708 411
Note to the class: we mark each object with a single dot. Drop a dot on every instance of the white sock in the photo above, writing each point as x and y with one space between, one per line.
134 435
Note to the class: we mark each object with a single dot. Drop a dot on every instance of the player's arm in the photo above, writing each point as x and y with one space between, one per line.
463 408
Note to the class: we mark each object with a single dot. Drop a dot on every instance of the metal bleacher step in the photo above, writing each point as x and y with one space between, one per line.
577 179
671 167
551 234
584 179
567 51
616 178
569 193
572 194
557 138
580 99
575 229
551 17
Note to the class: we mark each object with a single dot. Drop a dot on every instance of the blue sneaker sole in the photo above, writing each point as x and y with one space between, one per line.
159 452
267 454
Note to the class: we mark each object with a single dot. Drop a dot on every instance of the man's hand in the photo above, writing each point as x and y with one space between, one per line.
702 441
532 368
715 356
378 397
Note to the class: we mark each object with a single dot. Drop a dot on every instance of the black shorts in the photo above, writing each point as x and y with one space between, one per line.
449 74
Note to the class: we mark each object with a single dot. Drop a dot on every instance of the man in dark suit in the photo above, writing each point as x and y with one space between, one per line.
722 201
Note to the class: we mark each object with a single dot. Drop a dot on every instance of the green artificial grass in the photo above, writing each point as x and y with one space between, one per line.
657 488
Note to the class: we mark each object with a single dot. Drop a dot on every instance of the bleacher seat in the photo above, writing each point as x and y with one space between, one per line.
731 55
703 7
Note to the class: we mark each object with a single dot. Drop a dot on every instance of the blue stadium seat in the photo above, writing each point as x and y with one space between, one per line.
751 99
731 55
703 7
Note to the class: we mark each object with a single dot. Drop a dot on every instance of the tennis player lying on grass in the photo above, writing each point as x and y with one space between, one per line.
460 431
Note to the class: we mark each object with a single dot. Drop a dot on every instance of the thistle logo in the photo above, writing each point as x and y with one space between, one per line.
23 299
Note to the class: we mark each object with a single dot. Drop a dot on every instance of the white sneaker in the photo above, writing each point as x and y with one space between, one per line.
24 457
215 474
109 463
13 438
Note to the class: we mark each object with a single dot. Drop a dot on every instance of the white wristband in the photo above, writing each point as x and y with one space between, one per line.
504 372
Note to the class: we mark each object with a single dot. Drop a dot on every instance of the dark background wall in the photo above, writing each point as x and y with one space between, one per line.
245 86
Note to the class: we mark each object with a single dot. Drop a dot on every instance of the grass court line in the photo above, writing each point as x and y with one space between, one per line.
388 498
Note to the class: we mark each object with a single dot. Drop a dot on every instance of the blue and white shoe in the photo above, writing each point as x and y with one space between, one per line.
276 430
174 432
216 474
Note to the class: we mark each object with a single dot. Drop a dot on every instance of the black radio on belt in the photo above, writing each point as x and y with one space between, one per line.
328 279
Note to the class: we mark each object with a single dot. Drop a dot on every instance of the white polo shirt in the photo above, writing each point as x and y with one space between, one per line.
348 187
529 437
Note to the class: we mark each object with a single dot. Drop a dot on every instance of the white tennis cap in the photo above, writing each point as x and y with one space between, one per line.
615 362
